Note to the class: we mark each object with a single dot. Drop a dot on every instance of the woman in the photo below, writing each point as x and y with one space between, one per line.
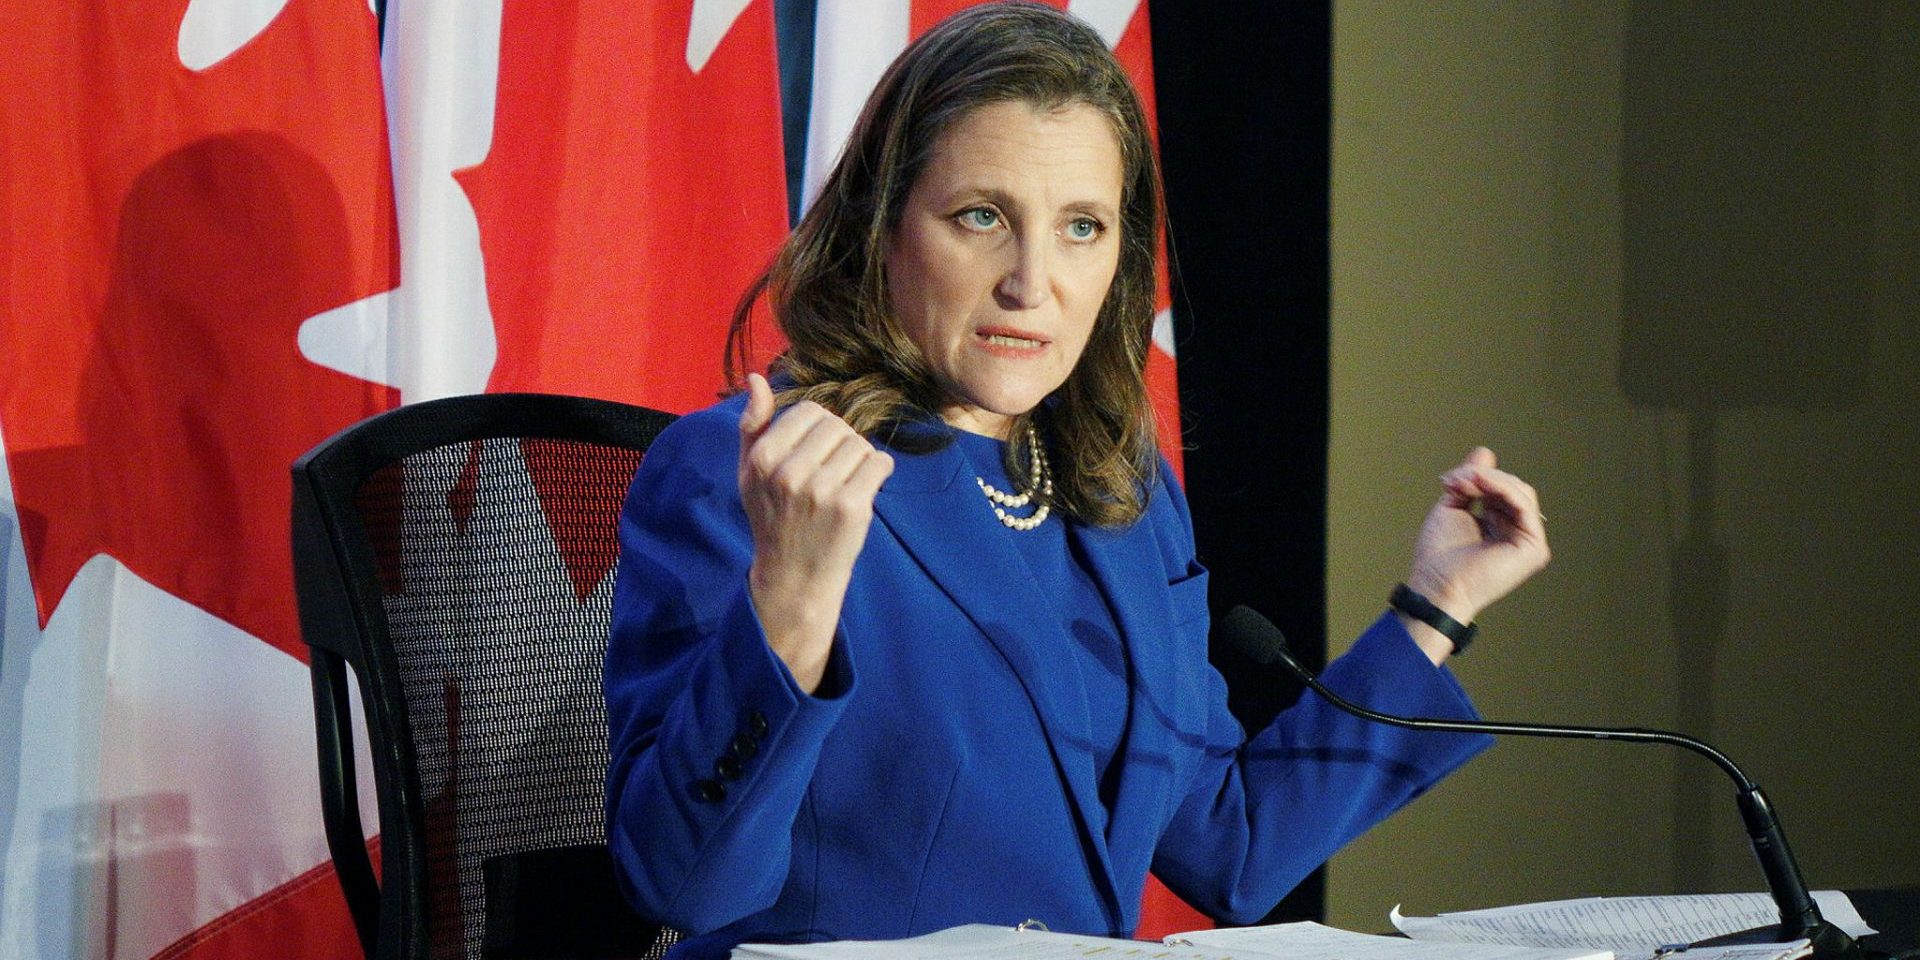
922 640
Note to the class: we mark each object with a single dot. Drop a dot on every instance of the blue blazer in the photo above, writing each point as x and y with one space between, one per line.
944 772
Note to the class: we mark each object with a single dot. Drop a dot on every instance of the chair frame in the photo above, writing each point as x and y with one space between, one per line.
344 622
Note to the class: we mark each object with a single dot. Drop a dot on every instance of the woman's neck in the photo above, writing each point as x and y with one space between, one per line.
973 419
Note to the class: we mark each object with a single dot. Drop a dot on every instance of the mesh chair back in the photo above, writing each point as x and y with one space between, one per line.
460 556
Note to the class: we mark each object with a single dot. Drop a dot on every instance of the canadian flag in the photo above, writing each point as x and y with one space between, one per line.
204 278
186 183
583 191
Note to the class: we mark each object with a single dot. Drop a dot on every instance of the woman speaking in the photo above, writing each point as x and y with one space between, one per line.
914 635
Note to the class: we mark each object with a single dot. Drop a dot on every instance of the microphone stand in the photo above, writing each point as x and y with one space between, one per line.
1260 640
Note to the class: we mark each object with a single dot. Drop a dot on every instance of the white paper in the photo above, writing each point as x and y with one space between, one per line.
1629 926
976 942
1312 941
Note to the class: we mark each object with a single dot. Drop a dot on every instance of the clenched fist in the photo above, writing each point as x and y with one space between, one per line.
807 481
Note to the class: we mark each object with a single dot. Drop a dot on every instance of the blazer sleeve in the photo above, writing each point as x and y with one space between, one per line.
711 743
1262 812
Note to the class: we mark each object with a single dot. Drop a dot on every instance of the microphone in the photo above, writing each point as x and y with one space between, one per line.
1255 637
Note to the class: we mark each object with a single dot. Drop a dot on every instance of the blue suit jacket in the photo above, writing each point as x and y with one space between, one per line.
945 774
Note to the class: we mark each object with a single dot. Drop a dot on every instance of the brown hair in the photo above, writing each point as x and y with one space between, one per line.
828 290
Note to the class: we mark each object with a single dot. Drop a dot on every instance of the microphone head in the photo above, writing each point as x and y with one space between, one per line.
1254 636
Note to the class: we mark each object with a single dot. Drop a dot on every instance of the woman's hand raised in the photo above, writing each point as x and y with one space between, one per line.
1481 540
807 481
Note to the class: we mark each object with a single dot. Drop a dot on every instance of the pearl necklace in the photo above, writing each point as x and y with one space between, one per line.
1037 474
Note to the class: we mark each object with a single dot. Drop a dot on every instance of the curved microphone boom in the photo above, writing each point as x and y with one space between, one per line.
1259 640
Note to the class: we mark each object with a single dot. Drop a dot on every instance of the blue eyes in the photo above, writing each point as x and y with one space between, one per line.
982 219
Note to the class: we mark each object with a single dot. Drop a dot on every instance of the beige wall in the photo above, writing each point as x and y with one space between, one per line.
1494 222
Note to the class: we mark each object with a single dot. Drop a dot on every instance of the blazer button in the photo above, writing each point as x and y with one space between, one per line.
728 767
743 747
757 723
710 791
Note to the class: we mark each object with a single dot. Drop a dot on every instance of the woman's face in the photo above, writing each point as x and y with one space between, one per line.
1004 253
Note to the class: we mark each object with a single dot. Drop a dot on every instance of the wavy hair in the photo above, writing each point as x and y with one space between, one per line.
828 288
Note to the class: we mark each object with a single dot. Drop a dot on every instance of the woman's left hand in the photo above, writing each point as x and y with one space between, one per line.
1481 540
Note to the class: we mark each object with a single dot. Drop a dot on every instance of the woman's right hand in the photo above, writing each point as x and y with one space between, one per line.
807 481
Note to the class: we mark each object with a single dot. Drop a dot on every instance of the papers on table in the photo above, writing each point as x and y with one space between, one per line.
976 942
1596 928
1312 941
1629 926
1287 941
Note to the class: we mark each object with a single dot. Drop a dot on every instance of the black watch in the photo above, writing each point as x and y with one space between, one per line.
1410 602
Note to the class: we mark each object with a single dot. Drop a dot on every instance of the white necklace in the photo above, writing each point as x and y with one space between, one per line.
1037 474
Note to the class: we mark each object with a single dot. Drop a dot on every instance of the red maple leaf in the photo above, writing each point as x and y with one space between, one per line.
166 233
627 200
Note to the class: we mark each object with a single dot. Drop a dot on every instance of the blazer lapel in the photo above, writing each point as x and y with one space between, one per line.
934 509
1127 565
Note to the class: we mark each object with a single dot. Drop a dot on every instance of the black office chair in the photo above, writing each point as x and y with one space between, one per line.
459 555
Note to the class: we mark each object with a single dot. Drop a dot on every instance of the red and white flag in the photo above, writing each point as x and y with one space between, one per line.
583 190
201 249
186 183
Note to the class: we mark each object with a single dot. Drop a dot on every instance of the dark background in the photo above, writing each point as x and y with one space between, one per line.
1244 139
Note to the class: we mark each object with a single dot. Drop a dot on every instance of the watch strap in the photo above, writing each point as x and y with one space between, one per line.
1415 604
